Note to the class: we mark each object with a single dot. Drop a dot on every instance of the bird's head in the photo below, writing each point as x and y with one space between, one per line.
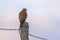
24 9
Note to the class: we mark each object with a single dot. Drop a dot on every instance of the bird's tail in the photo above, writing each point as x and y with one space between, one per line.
21 25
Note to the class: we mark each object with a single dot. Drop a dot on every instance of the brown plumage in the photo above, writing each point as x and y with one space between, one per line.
22 16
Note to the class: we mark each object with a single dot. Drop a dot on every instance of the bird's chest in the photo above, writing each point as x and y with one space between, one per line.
22 15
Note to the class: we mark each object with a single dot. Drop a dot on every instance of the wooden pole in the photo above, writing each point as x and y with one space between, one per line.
24 31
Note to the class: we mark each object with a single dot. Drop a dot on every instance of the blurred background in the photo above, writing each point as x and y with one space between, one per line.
43 18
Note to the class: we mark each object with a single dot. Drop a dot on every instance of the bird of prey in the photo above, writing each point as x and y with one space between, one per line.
22 16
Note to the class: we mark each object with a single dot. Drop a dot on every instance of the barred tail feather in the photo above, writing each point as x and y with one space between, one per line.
21 25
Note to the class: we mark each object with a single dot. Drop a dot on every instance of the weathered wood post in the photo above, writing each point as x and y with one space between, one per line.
24 31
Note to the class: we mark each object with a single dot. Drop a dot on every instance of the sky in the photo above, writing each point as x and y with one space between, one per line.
43 18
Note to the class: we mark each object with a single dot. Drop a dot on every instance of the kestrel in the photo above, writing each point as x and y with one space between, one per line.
22 16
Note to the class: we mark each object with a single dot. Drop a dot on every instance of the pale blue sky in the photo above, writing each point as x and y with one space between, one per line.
43 18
